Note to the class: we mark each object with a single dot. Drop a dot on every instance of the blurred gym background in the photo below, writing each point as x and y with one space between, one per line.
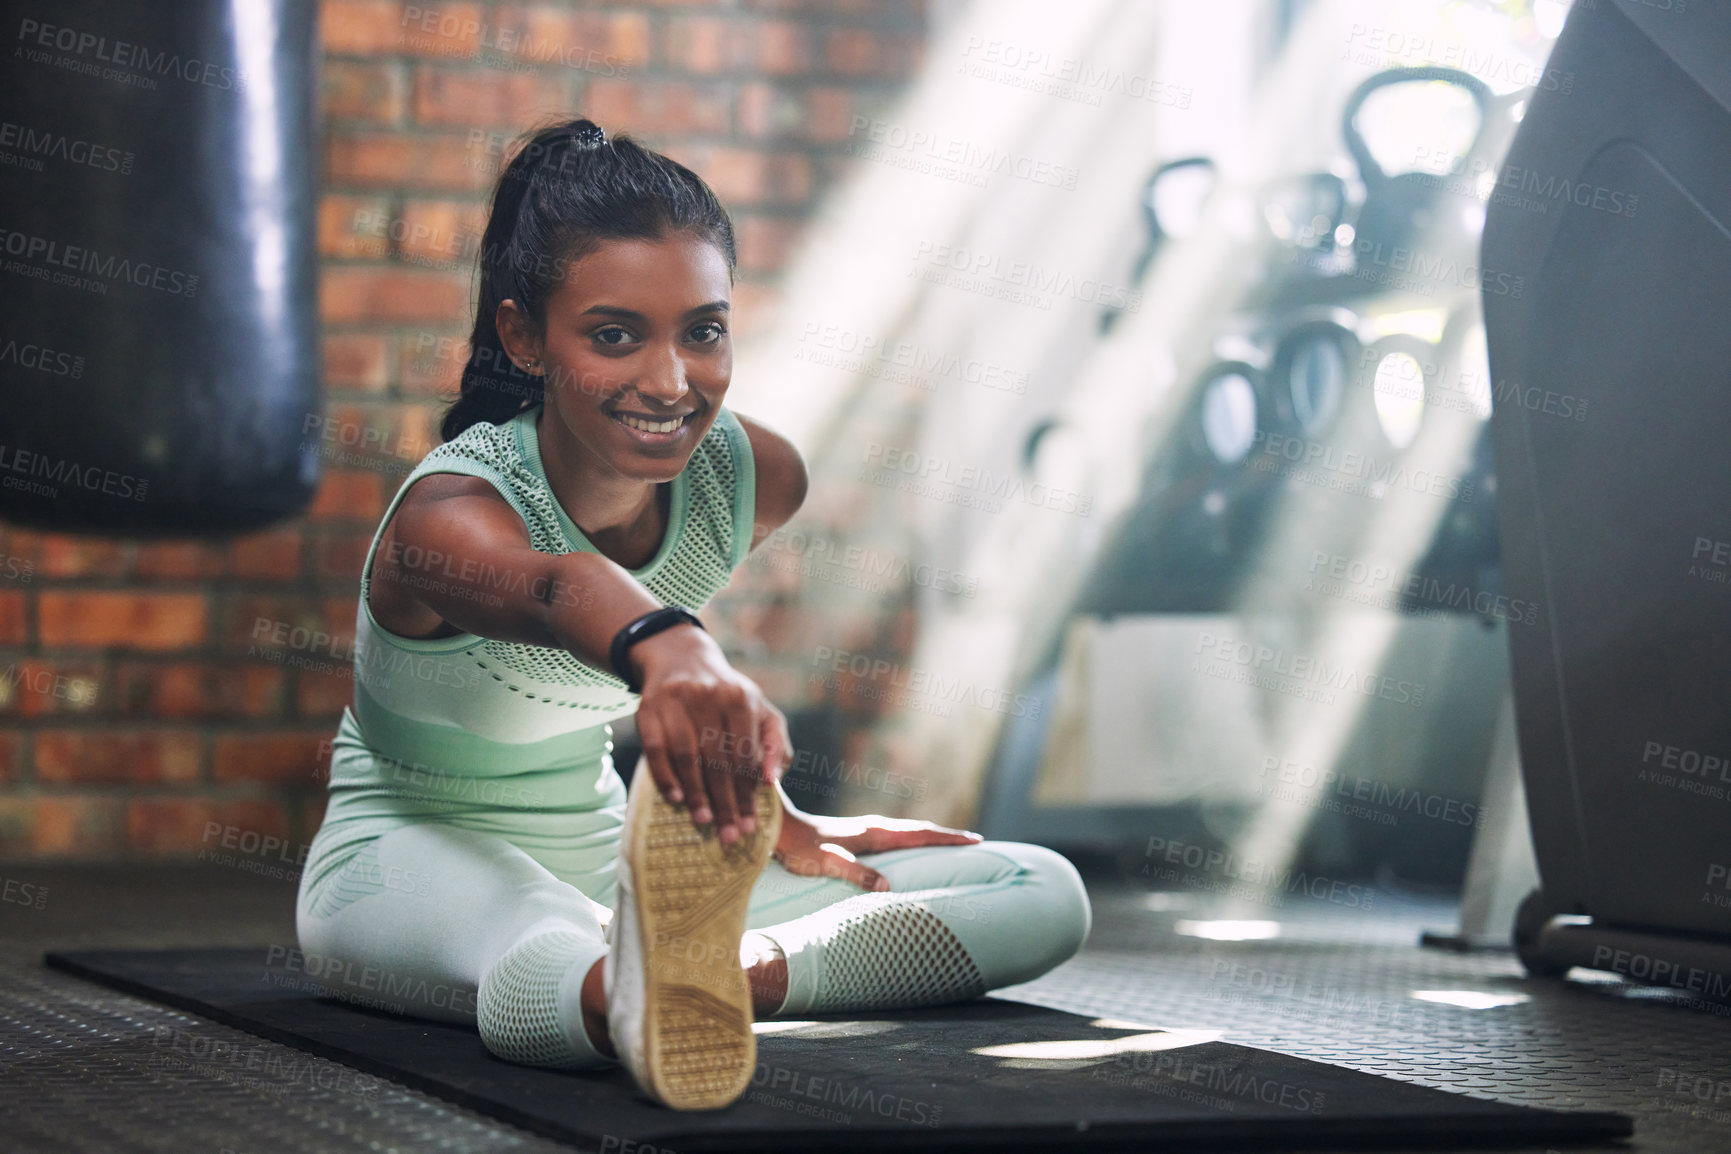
1136 352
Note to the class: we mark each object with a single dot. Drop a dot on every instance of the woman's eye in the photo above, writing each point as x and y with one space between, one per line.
708 331
612 335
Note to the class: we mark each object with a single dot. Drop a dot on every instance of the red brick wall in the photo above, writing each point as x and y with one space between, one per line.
148 689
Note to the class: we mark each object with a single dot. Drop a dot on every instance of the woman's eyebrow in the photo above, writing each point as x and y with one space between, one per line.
634 315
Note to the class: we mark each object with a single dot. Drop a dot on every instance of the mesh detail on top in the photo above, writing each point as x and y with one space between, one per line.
518 1010
888 951
698 566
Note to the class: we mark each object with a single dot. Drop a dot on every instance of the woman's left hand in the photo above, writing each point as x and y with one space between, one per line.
811 845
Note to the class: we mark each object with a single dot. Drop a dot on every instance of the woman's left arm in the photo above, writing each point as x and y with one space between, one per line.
810 844
813 845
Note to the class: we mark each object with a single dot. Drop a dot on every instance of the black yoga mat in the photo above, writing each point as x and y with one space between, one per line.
991 1073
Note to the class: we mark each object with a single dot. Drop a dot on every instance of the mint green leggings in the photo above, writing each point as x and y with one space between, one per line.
460 925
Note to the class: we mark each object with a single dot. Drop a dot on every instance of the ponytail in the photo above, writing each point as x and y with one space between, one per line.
566 189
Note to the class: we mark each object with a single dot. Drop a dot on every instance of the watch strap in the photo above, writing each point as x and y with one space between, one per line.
648 625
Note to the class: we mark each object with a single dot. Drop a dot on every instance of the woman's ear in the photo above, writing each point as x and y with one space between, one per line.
517 334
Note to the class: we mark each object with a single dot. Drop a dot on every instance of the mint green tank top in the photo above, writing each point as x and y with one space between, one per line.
501 737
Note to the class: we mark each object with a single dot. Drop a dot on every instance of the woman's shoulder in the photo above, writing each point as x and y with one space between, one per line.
745 480
780 474
494 451
484 439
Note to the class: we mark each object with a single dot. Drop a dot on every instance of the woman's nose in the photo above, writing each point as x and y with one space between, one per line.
663 377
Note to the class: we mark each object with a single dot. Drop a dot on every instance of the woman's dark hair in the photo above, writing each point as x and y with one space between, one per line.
567 188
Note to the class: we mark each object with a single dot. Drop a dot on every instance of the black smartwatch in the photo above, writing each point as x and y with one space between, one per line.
647 625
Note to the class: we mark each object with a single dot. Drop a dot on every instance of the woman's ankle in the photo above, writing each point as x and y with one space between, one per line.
766 971
594 1002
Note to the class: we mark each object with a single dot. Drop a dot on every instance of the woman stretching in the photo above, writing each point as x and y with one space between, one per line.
534 578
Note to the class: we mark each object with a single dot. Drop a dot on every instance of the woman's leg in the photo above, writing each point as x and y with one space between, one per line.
956 922
434 908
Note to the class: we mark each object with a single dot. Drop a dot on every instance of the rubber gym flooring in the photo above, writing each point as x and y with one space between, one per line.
84 1069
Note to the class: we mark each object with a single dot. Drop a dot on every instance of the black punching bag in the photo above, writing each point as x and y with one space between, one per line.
158 276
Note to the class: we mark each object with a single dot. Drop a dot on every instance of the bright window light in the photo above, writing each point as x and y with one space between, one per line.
1548 17
1425 324
1399 398
1230 931
1471 999
1070 1050
778 1027
859 1028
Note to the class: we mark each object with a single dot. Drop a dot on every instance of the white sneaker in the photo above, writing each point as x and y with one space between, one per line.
678 1003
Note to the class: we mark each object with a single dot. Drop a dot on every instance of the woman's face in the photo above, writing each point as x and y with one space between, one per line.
636 352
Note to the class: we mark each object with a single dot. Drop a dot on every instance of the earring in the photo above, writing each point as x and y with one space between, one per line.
531 363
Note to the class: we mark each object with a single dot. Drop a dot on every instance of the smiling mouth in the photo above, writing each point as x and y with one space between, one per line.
653 424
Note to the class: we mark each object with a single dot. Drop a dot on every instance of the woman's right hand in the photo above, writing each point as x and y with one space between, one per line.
710 737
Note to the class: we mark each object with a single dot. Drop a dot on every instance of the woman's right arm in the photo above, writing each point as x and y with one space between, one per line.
709 735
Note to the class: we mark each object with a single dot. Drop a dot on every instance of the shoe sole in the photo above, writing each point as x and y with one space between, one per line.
691 895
